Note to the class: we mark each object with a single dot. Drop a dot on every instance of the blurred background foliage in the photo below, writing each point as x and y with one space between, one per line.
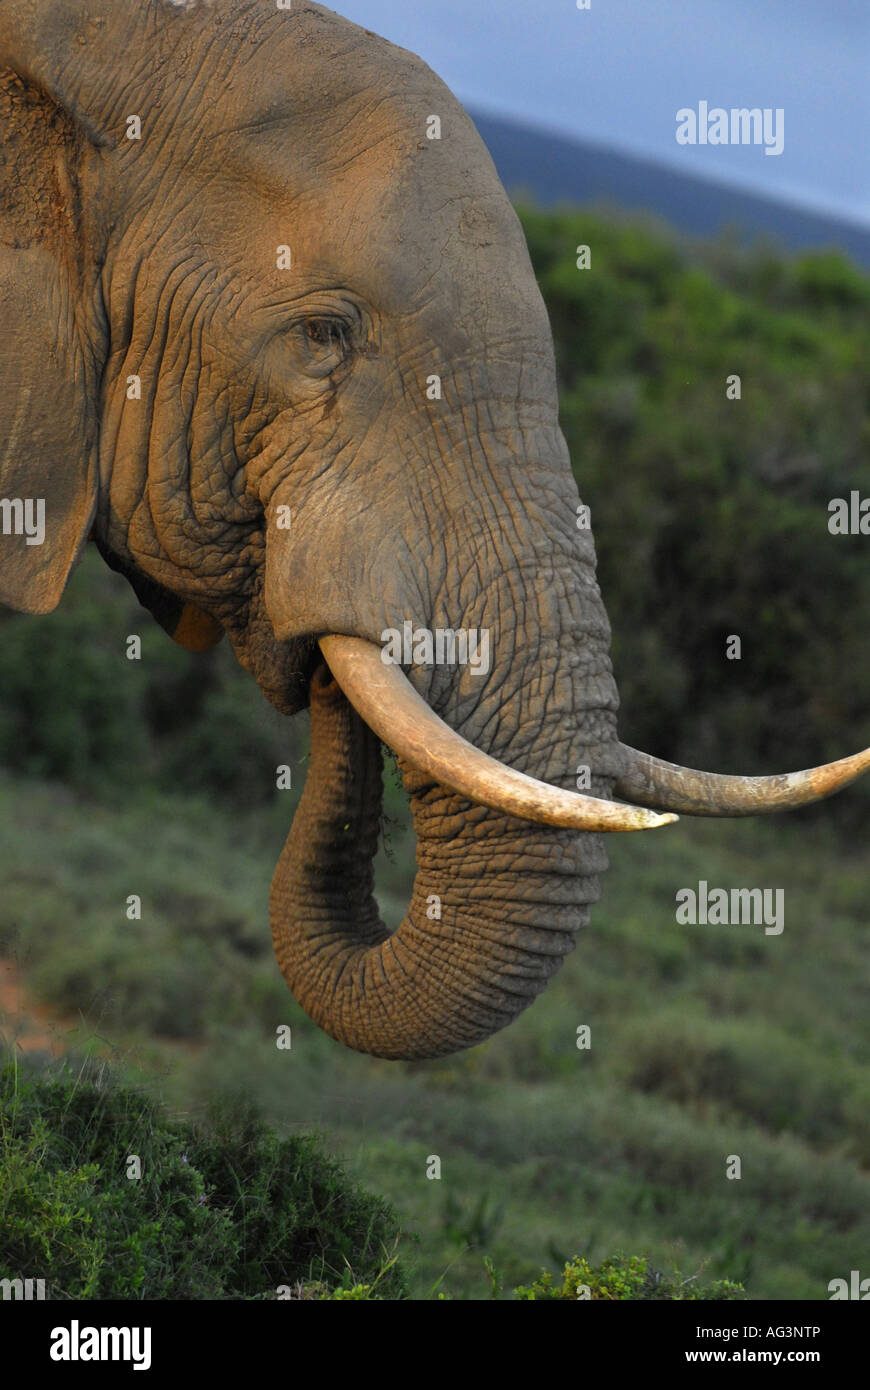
158 777
710 515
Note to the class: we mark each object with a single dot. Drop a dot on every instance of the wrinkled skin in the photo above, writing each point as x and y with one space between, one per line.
263 388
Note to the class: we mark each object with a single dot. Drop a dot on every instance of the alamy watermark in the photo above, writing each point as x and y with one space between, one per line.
849 516
23 517
740 907
854 1288
742 125
23 1290
77 1343
443 646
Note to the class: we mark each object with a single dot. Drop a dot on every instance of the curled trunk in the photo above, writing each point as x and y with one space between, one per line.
496 903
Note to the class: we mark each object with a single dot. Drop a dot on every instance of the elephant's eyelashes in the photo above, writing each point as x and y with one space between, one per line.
324 344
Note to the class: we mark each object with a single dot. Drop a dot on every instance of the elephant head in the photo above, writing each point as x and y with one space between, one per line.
282 357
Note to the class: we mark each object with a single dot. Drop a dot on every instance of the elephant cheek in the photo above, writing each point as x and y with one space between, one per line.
333 571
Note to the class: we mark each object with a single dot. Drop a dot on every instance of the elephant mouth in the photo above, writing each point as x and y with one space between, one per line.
392 709
384 698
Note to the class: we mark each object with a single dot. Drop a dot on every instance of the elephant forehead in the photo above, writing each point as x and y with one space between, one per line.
337 153
412 227
404 241
311 68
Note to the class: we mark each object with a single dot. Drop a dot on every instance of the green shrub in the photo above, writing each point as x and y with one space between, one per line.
223 1209
622 1278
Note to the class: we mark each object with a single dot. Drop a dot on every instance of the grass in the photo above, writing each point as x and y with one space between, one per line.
105 1196
707 1042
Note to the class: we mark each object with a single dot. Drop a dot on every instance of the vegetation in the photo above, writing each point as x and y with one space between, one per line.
711 515
105 1197
619 1279
156 779
706 1042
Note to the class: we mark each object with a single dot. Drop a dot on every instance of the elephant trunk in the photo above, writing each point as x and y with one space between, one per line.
496 903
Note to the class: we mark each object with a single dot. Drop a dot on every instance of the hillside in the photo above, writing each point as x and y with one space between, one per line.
557 169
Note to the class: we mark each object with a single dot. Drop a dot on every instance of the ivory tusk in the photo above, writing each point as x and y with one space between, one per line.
650 782
383 696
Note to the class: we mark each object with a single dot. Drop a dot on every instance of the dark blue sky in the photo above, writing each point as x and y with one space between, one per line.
618 74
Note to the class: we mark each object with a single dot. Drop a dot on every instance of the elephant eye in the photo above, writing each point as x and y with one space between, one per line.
325 345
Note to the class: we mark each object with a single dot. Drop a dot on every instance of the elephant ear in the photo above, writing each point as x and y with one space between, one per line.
48 471
65 80
52 340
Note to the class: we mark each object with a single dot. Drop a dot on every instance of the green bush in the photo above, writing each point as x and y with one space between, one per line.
224 1209
623 1278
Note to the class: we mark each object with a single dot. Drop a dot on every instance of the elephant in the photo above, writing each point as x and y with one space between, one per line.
274 345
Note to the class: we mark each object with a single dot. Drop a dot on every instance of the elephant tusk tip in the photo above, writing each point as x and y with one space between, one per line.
650 782
636 818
